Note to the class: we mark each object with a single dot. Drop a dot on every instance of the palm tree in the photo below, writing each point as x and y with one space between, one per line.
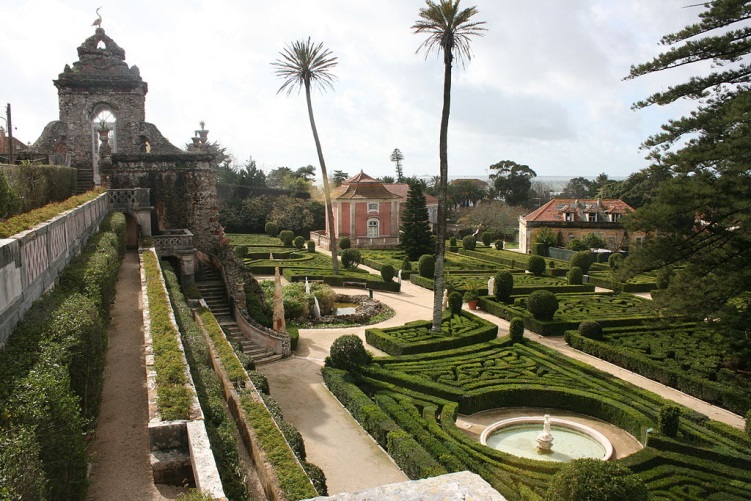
449 30
301 65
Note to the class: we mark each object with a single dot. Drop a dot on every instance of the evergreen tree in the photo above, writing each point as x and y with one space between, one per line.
414 234
397 157
700 216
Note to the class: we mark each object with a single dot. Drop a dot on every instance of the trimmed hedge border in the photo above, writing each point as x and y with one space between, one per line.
714 393
381 338
174 396
51 372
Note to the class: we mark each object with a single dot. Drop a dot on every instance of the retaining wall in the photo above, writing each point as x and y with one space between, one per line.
31 261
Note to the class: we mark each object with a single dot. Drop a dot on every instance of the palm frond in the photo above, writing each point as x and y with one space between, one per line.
449 29
302 64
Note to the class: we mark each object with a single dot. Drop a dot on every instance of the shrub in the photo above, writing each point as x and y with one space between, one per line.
575 276
498 245
551 264
311 245
487 238
539 249
592 241
591 330
593 479
287 236
299 242
344 243
748 423
452 241
426 266
271 229
406 264
387 272
348 353
317 477
547 237
575 244
241 251
504 284
516 329
351 258
260 381
536 265
669 420
455 302
542 304
469 242
583 259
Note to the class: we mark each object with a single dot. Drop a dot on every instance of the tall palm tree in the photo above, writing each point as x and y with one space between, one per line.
303 64
449 30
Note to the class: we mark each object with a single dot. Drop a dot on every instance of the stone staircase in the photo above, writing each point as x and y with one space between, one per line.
85 180
212 289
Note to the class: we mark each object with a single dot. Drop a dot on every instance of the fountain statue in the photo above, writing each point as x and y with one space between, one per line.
271 256
399 277
545 438
491 286
307 286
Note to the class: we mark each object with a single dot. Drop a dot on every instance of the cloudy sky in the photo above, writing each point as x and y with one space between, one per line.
545 86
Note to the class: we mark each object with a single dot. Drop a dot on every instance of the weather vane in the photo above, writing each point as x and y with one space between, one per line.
97 22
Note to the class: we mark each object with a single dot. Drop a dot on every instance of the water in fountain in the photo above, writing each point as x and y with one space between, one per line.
522 437
316 308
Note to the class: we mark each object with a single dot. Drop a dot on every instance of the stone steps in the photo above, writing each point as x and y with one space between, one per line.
214 294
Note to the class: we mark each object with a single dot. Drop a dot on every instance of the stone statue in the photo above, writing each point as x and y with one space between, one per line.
97 22
491 286
278 323
545 438
445 299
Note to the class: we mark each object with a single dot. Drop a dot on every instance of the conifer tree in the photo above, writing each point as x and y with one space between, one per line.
414 234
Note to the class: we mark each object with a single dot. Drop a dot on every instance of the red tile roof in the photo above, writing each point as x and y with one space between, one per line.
402 189
555 209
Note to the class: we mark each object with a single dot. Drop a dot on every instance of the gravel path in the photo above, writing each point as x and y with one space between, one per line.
120 451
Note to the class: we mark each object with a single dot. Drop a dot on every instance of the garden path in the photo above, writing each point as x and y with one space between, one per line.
120 450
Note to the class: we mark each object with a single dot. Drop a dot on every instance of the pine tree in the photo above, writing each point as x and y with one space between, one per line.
414 233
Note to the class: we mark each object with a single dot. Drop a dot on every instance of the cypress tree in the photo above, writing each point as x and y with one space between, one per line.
414 234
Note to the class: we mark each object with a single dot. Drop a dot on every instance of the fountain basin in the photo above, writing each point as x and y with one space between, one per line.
572 440
344 308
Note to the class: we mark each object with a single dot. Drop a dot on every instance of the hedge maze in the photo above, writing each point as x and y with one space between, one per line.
409 404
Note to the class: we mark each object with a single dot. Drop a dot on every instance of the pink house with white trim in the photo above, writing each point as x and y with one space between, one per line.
369 212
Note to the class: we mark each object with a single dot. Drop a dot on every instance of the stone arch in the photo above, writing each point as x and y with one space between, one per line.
131 231
103 116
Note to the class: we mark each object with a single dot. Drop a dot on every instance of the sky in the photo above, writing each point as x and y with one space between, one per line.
545 86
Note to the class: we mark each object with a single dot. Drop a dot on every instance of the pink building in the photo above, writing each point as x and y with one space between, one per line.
369 212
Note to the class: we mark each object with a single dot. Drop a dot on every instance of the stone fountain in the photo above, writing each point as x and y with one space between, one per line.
545 438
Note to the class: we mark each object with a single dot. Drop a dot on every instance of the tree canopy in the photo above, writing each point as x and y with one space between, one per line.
699 215
512 181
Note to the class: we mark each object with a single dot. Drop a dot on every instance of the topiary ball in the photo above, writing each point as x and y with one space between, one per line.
591 330
516 330
311 246
344 243
487 238
469 242
426 266
498 245
575 276
299 242
348 353
583 259
351 258
504 284
287 236
387 272
455 302
406 264
542 304
271 229
669 420
536 265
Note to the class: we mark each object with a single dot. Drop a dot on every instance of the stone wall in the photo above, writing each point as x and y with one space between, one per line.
183 192
31 261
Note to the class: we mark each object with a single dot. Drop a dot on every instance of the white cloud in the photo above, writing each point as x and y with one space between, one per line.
544 86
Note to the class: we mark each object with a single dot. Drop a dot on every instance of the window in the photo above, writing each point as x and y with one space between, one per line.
372 206
614 217
373 228
592 217
639 241
569 216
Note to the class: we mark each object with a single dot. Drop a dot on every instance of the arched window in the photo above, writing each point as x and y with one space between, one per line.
373 228
103 119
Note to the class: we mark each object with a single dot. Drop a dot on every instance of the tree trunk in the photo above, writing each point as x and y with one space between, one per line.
326 190
440 244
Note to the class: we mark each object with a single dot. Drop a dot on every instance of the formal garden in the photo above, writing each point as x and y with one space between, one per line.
410 404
